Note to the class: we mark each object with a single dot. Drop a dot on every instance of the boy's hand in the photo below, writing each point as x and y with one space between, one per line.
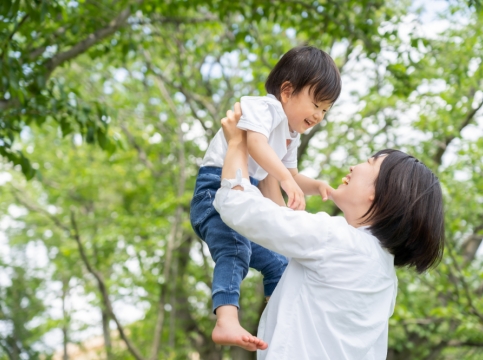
325 190
296 199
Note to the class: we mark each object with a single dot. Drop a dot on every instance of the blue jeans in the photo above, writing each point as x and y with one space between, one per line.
233 254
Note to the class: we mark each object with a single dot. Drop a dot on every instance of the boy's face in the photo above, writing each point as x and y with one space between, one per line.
302 111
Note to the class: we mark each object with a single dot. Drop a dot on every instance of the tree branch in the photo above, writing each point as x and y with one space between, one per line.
466 289
444 144
37 209
177 19
176 228
89 41
471 244
74 233
102 288
191 97
457 343
18 25
141 153
305 139
10 37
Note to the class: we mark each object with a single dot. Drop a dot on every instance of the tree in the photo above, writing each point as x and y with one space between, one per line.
148 83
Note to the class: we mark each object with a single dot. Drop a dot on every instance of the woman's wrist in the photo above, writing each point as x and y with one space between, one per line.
238 144
238 139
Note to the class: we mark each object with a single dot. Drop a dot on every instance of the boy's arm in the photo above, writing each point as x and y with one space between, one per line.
311 186
270 188
265 156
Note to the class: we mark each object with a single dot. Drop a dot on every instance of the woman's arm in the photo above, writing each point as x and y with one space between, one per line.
295 234
237 153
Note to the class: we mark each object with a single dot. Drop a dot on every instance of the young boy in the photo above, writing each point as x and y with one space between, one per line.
301 89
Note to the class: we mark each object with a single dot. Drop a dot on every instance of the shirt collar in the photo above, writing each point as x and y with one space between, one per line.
365 228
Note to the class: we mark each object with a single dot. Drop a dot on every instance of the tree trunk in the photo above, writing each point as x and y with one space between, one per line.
207 349
65 335
107 334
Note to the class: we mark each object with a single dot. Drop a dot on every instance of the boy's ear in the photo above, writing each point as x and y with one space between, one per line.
286 90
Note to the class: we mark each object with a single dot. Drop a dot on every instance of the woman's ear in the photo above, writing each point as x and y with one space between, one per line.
372 194
286 90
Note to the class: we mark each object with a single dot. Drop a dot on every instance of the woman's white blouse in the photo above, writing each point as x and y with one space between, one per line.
338 291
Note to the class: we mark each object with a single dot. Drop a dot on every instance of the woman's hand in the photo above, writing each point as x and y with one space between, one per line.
232 133
237 154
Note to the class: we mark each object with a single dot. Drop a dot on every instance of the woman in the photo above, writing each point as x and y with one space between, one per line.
339 289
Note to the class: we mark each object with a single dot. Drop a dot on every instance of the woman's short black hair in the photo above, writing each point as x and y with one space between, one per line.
306 66
407 212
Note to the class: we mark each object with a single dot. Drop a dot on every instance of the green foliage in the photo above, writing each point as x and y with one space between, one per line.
20 307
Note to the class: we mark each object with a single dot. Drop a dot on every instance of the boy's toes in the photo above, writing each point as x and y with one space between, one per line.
259 343
247 338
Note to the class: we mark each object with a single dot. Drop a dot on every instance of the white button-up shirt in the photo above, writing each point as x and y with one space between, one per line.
338 291
265 115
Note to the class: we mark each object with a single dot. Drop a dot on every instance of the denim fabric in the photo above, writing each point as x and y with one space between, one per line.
232 253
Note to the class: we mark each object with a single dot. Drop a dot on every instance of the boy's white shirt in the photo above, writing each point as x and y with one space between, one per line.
335 298
265 115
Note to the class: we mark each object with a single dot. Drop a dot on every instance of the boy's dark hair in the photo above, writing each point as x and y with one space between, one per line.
306 66
407 211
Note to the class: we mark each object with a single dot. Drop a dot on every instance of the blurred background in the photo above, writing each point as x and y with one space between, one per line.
107 107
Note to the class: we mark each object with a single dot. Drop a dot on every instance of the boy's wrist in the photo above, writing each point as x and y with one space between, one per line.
287 177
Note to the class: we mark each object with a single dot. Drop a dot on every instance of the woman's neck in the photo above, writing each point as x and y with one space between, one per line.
356 219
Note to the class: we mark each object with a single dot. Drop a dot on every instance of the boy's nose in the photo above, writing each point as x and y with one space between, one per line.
319 115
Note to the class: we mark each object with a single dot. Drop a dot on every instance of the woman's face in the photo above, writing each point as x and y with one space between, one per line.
357 191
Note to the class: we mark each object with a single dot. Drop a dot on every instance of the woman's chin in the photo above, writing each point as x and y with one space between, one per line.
340 189
341 197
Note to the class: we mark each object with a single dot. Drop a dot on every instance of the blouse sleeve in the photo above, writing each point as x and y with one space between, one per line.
295 234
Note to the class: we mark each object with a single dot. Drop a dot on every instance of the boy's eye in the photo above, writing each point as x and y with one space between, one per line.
317 106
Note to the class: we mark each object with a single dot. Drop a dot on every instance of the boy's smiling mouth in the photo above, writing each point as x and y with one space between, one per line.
308 122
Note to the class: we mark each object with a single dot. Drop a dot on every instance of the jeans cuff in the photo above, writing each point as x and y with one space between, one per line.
222 298
268 288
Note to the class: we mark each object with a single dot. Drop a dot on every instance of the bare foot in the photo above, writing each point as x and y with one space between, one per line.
228 331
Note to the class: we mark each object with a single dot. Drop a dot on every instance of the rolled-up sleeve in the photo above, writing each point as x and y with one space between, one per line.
295 234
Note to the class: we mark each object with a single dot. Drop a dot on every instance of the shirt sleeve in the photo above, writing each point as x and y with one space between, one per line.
295 234
256 115
290 159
